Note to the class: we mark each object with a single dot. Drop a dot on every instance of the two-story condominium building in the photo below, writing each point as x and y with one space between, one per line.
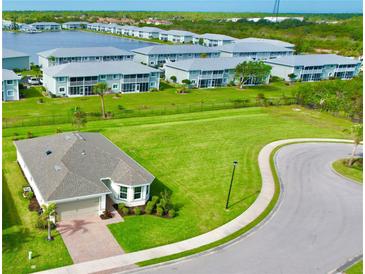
128 30
213 40
61 56
207 72
10 85
75 25
268 41
177 36
254 50
147 32
314 67
78 79
15 59
94 26
47 26
160 54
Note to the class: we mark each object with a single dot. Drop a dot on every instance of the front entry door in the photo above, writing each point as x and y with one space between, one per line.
137 88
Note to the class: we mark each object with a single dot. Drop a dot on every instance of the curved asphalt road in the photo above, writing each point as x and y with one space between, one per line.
316 227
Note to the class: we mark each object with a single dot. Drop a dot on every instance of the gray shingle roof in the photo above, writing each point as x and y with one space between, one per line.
150 29
213 36
269 41
312 60
97 68
207 64
253 47
9 53
84 52
77 163
174 49
9 75
75 22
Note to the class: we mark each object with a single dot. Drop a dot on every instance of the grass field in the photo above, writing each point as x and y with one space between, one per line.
355 269
162 100
354 172
190 154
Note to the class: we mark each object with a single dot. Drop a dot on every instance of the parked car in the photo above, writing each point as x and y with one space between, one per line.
19 75
33 81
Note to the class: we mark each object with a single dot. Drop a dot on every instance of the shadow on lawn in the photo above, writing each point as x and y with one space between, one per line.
157 187
244 198
10 213
14 240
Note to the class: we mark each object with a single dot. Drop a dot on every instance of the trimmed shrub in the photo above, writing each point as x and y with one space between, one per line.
159 211
125 210
30 195
41 223
155 198
29 135
172 213
137 211
148 209
121 205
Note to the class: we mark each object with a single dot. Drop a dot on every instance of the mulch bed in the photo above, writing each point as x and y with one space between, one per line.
34 205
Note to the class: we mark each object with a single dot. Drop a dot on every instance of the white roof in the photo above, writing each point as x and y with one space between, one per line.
253 47
213 36
84 52
45 23
269 41
150 29
9 53
9 75
179 32
76 23
174 49
312 60
97 68
207 64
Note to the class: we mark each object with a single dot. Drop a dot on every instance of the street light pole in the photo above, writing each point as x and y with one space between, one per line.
230 186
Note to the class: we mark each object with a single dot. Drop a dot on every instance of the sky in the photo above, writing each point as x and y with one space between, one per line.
286 6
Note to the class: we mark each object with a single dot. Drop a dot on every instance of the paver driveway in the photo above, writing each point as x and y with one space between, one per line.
89 238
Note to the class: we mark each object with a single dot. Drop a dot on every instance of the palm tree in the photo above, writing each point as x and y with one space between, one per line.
356 132
48 211
100 89
78 118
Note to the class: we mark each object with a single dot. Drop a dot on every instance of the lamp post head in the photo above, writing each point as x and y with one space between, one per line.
235 163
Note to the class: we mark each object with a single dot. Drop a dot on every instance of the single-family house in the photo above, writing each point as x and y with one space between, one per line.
15 60
10 85
47 26
159 54
75 25
177 36
268 41
81 172
78 79
59 56
314 67
213 40
254 50
207 72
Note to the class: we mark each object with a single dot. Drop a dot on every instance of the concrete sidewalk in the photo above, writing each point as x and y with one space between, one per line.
260 204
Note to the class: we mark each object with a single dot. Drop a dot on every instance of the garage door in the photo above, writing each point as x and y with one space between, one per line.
78 209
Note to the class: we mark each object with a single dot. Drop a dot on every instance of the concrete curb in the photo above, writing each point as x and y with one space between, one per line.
343 176
254 211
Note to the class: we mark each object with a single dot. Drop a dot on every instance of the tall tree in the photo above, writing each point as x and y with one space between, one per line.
78 118
49 211
100 89
252 72
356 132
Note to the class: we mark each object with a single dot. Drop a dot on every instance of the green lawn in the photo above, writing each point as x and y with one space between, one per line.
190 154
166 99
356 268
354 172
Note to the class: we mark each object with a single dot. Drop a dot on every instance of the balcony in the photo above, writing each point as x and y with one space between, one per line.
135 80
83 83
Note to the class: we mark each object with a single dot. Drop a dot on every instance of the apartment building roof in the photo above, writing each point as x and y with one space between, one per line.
253 47
9 53
213 36
84 52
9 75
269 41
207 64
174 49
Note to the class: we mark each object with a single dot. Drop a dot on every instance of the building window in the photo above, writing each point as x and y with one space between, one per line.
10 92
137 192
61 79
61 89
102 77
9 82
123 192
115 86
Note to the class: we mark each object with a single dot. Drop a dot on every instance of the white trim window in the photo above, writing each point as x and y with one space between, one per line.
62 90
9 82
123 192
115 86
137 193
10 92
102 77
